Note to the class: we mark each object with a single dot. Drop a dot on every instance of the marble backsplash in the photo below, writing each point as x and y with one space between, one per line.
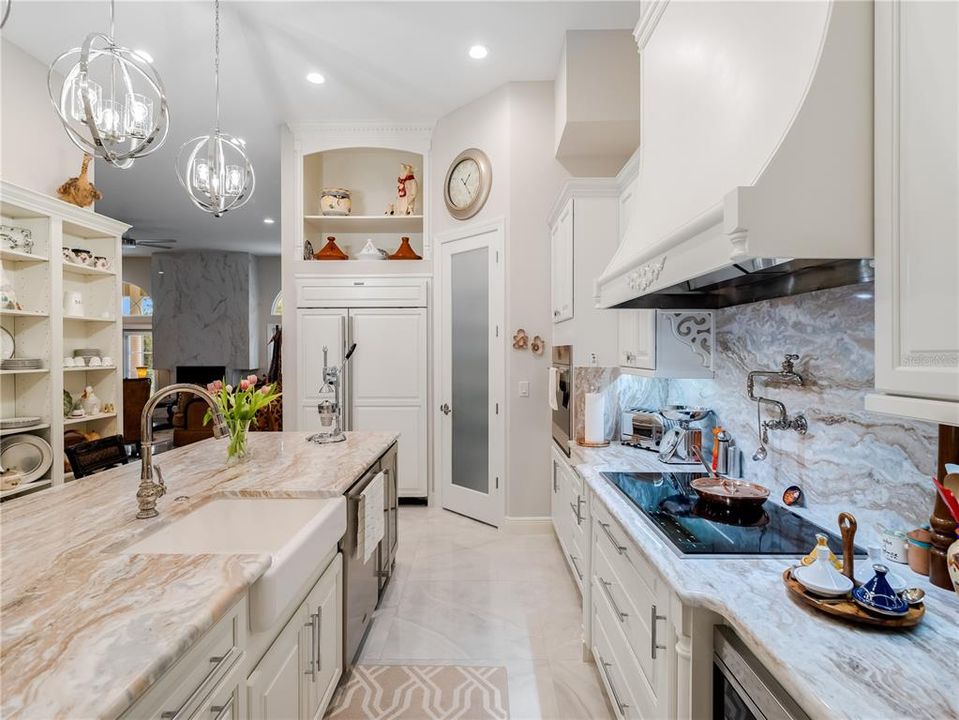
876 466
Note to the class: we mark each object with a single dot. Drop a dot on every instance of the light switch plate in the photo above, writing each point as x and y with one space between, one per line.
524 388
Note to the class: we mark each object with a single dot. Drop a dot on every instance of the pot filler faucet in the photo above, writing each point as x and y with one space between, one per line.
150 491
786 374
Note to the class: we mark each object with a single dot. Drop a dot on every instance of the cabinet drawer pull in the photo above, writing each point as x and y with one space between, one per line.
203 688
220 711
612 688
575 509
572 559
621 549
609 596
653 618
314 627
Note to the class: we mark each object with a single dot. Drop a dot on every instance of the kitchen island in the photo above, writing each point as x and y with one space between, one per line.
830 668
88 629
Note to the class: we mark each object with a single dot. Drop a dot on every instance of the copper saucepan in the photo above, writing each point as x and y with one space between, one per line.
727 491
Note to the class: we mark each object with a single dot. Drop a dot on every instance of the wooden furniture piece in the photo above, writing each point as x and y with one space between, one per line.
136 392
93 456
193 430
41 329
916 223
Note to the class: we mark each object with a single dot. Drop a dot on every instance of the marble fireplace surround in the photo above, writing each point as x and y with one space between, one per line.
874 465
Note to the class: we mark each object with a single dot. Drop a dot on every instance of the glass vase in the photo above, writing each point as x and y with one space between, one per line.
239 449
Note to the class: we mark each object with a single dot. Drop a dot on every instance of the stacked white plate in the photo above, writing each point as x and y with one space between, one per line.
29 455
15 423
21 364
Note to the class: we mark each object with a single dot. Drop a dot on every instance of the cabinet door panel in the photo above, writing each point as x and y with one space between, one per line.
410 423
275 687
561 247
316 329
389 366
917 186
637 339
324 605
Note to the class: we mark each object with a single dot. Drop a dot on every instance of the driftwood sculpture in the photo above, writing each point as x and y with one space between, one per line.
79 190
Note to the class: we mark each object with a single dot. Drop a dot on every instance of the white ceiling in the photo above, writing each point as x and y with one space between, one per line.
392 61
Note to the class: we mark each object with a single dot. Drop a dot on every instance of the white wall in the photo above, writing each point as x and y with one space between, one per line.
535 180
513 125
35 151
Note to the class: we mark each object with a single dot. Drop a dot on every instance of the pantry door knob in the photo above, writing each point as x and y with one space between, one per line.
445 409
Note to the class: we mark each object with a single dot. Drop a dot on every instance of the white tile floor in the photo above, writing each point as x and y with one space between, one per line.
468 594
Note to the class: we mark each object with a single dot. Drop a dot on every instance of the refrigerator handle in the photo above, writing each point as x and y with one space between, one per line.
348 374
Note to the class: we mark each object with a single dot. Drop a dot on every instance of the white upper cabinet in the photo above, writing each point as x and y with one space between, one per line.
666 343
917 210
561 262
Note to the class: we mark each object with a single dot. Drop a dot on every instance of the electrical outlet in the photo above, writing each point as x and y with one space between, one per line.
524 388
593 360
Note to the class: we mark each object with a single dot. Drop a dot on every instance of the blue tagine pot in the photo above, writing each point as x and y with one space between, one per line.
878 596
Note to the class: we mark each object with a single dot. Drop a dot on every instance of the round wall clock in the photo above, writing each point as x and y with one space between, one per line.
468 183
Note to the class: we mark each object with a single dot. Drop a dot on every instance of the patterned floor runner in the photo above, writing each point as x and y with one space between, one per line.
417 692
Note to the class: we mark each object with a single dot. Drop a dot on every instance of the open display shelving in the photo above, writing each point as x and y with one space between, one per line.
370 174
41 329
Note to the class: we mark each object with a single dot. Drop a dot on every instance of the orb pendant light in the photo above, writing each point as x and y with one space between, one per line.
110 100
214 169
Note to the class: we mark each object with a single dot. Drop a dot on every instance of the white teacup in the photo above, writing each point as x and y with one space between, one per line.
68 362
107 361
95 362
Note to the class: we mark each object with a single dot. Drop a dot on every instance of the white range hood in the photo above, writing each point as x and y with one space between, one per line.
756 154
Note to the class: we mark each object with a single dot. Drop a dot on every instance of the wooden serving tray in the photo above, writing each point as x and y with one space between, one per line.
848 610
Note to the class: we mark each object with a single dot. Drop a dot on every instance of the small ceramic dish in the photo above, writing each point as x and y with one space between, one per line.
877 596
832 584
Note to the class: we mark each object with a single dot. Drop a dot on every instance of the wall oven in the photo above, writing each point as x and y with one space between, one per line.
561 395
742 688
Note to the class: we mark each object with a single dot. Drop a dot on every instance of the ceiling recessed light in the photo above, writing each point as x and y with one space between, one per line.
478 52
268 221
159 272
145 55
315 78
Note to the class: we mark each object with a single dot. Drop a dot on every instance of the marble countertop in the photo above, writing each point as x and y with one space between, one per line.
85 630
832 669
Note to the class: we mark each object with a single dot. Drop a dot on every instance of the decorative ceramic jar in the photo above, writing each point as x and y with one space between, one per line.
405 251
336 201
952 561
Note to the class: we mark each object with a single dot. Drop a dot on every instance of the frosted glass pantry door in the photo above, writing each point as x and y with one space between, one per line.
470 411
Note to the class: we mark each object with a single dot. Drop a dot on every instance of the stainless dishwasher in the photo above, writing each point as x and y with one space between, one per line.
364 582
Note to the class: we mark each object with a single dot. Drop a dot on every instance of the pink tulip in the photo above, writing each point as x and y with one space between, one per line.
229 388
266 389
244 384
210 387
252 379
217 385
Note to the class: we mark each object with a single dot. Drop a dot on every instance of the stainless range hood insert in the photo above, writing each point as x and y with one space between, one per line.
755 280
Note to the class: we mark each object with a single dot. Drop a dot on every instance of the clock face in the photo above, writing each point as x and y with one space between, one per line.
468 183
464 183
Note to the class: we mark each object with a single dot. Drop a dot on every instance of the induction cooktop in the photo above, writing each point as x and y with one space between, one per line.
698 528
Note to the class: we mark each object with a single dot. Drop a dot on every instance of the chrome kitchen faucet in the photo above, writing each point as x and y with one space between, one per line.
149 490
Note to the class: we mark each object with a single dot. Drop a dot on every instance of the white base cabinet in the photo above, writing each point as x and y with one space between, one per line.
568 511
666 343
286 673
297 676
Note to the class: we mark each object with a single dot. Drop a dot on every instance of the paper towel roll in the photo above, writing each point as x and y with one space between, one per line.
595 418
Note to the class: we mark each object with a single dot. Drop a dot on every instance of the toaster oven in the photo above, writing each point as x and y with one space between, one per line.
643 429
